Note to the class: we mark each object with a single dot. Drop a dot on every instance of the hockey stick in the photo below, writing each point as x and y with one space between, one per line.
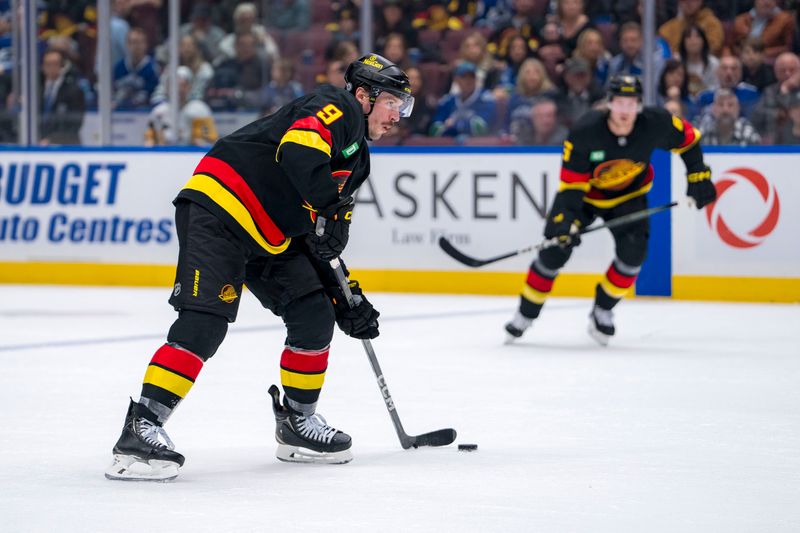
441 437
463 258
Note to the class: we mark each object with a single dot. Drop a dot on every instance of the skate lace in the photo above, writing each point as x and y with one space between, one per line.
315 427
604 317
153 435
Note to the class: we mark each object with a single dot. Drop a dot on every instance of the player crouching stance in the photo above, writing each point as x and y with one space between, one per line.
606 173
269 206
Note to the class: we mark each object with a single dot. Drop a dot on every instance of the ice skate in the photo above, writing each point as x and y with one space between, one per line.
307 439
516 327
601 325
144 451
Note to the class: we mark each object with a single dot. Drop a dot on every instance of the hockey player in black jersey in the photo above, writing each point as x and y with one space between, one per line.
606 173
269 206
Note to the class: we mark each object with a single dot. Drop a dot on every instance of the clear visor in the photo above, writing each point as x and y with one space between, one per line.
402 103
624 104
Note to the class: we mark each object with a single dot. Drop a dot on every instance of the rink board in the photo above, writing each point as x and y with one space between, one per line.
104 217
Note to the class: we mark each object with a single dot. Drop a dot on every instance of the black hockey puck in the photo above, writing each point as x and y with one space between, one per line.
467 447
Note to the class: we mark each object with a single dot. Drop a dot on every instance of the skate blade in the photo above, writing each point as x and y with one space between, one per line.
296 454
130 468
510 339
599 337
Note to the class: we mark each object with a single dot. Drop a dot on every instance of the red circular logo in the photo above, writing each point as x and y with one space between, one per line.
769 196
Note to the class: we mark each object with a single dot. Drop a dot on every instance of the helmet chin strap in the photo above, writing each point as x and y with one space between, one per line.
366 115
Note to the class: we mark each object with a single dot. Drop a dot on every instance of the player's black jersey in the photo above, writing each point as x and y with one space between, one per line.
267 180
611 169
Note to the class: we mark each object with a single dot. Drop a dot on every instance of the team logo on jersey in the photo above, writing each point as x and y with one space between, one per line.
177 289
228 294
616 174
767 195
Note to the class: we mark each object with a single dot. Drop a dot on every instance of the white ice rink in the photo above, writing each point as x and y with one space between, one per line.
688 422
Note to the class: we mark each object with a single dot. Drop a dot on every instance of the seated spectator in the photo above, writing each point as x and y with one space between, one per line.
244 21
424 106
436 17
394 49
541 126
238 81
196 123
71 53
288 14
393 18
345 27
724 126
146 15
692 13
572 21
532 84
62 102
593 50
189 55
281 89
630 60
770 112
580 92
135 77
701 66
729 76
550 51
119 28
754 70
790 131
474 50
200 27
506 20
513 55
673 84
469 112
766 21
334 73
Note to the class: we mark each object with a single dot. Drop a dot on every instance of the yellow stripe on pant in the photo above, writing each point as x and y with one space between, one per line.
302 381
165 379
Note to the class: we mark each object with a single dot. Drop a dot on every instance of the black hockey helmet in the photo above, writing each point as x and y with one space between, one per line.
625 85
377 74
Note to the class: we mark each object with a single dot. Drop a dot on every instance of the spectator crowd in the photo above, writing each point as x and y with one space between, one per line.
488 72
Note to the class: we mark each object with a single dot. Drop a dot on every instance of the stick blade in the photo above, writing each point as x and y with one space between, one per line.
459 256
441 437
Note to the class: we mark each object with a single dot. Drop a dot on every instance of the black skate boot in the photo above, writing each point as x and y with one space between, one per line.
140 454
516 327
601 325
307 439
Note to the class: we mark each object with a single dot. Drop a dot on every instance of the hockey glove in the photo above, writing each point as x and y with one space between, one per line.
563 225
332 230
701 189
361 321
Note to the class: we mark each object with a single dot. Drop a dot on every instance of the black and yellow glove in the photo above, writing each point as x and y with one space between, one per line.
701 189
360 321
332 230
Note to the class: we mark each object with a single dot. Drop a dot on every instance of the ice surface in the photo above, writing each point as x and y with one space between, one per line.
688 421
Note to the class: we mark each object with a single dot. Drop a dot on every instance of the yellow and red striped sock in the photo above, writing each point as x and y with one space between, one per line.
170 375
302 375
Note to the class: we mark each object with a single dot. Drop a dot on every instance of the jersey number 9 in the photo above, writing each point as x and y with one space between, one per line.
329 114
